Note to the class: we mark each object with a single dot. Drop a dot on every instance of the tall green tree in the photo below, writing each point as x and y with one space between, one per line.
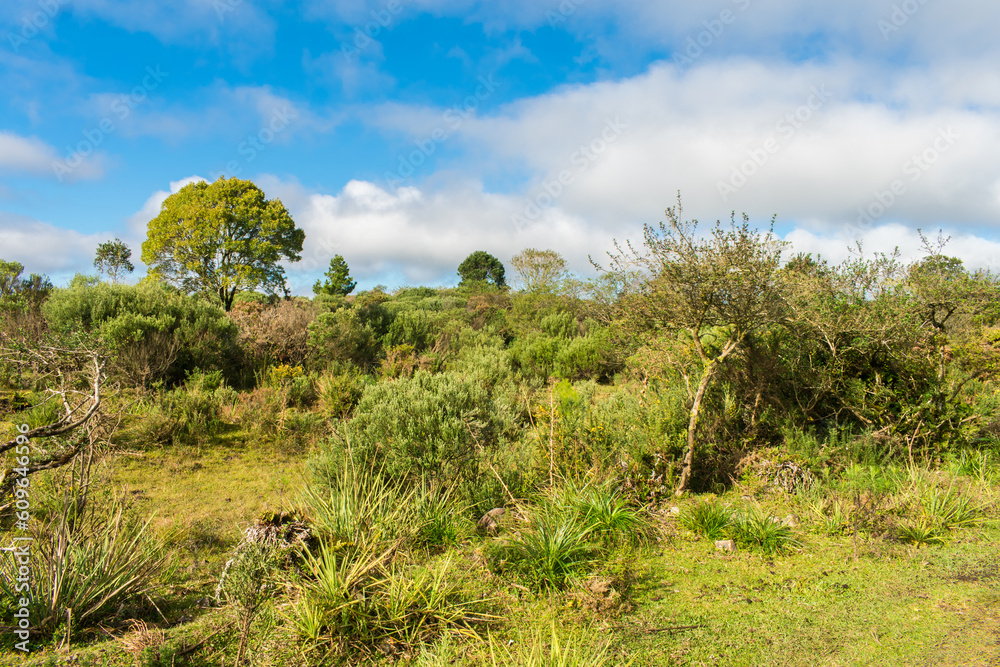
222 238
715 291
113 258
539 270
338 279
481 268
17 293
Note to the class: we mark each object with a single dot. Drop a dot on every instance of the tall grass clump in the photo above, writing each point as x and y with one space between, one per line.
758 531
708 518
85 566
552 551
358 505
439 519
540 649
567 533
357 600
610 518
940 511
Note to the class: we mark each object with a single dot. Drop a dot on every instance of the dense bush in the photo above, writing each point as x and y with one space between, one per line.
152 332
342 336
274 334
445 427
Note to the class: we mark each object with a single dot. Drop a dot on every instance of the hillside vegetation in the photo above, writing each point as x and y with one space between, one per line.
716 452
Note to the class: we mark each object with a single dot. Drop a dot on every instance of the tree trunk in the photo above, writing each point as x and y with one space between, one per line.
711 367
703 384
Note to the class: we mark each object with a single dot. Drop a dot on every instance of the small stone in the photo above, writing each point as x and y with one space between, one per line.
790 522
675 510
725 545
491 520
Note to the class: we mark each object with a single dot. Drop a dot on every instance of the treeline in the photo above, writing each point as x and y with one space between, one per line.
739 349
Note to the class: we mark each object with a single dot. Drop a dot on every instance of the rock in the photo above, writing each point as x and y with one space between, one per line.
490 522
790 522
725 545
674 511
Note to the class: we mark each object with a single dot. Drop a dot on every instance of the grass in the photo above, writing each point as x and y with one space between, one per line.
209 493
404 580
554 549
818 606
708 518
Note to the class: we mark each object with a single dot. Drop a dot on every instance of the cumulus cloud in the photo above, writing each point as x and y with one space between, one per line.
873 29
44 248
151 208
415 236
419 236
30 156
820 145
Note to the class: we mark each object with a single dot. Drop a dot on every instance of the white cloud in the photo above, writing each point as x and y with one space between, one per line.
30 156
241 27
420 236
918 29
623 148
45 248
975 252
25 154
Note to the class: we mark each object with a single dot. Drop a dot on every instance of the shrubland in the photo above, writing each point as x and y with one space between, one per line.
714 453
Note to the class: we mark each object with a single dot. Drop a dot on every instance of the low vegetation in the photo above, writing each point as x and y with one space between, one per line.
718 455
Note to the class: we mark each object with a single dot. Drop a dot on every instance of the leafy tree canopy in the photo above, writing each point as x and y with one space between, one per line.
222 238
113 258
481 267
17 293
539 270
338 279
718 289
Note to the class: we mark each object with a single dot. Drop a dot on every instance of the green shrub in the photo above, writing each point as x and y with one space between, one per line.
442 427
339 392
298 388
246 584
152 331
189 414
409 327
560 325
534 356
342 336
592 357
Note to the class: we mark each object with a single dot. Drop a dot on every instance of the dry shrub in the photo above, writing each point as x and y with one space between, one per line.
140 639
489 307
400 361
261 411
274 333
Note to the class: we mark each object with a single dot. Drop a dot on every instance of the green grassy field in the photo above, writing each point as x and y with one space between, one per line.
838 599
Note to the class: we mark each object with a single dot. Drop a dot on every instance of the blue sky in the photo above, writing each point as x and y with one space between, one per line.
405 134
